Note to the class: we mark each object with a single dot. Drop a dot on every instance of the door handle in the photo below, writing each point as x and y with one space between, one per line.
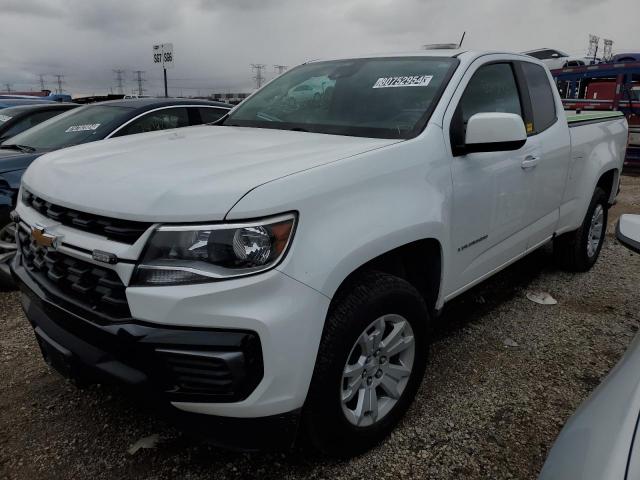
529 162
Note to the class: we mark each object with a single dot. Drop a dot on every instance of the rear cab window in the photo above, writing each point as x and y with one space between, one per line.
543 104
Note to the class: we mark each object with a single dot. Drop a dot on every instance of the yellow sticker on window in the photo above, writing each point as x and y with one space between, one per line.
529 127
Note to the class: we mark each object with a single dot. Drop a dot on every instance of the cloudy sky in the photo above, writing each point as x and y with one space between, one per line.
215 41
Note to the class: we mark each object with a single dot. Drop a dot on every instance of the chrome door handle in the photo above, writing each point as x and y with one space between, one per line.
529 162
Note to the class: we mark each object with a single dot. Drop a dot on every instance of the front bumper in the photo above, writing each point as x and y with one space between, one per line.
270 313
151 359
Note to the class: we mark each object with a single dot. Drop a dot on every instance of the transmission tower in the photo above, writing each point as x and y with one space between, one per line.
607 52
140 79
593 46
258 68
42 85
119 80
59 81
280 69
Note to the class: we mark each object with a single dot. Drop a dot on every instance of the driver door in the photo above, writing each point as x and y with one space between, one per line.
492 191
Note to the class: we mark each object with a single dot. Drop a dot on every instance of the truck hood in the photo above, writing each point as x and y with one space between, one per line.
189 174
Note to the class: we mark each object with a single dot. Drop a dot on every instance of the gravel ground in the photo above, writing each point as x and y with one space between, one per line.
485 410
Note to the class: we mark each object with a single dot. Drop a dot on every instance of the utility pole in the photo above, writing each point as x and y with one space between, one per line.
60 81
280 69
119 80
8 87
258 68
42 85
140 80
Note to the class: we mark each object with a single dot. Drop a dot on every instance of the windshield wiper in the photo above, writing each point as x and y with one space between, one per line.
22 148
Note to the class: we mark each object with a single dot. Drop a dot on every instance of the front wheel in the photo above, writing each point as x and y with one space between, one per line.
578 250
371 360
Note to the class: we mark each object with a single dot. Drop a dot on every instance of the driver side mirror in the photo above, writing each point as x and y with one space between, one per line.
555 55
628 232
494 132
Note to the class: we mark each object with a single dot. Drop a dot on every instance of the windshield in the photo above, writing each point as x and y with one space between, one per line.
371 97
79 125
5 116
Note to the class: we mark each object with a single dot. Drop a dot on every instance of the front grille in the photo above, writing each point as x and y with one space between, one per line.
75 281
125 231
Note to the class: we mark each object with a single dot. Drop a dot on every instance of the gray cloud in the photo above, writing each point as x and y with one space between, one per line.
30 7
216 40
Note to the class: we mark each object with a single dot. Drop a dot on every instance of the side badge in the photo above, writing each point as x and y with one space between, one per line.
104 257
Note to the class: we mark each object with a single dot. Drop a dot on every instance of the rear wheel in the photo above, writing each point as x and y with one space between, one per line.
578 250
370 364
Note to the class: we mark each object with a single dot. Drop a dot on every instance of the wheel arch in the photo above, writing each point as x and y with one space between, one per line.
608 181
419 262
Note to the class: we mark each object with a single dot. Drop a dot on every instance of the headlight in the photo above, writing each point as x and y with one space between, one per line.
202 253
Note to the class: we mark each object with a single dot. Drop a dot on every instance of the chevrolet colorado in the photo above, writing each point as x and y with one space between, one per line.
277 272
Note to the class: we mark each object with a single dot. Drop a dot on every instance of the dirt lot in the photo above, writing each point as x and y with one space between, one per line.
485 410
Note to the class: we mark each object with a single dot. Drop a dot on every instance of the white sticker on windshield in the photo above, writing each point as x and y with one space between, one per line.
4 118
409 81
82 128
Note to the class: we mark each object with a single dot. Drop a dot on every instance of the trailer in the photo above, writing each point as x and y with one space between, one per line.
605 87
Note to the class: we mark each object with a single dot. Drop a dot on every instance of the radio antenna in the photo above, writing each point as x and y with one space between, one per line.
462 39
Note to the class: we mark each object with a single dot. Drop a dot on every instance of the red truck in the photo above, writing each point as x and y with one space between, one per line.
608 86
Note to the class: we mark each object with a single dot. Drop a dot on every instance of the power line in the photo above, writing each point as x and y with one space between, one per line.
258 77
140 80
118 72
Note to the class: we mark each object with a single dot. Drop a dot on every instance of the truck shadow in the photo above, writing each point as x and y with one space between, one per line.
479 301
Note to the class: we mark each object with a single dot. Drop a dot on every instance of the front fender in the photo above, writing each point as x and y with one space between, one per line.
353 210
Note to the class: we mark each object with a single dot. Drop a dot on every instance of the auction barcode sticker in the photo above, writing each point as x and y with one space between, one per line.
82 128
408 81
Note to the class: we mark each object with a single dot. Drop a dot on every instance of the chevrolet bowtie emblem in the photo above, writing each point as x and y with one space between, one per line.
43 239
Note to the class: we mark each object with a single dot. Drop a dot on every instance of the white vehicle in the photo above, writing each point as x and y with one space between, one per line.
305 93
278 272
555 59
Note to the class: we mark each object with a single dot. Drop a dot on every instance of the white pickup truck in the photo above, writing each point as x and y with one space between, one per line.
277 272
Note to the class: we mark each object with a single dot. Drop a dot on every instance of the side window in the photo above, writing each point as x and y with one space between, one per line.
209 115
158 120
492 88
542 101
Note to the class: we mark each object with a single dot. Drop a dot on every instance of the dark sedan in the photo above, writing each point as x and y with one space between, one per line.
15 120
85 124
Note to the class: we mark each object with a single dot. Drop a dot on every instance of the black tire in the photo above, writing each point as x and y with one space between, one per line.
369 297
571 249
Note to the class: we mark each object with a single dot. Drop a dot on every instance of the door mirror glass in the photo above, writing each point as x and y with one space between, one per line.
628 231
494 131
